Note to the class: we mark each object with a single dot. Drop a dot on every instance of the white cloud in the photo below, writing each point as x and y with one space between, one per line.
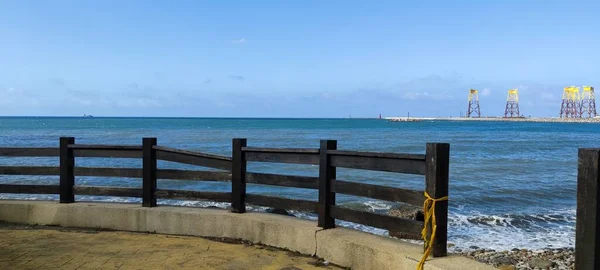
17 97
425 95
486 92
13 90
239 41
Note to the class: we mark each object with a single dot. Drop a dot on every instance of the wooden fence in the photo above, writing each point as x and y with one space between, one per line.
587 231
433 165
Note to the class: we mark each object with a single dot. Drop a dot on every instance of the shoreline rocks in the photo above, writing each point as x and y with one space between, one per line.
406 211
556 258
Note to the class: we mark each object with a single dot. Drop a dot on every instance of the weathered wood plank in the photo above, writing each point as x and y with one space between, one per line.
436 185
587 228
420 157
108 172
282 150
29 170
281 203
67 165
411 227
30 189
149 172
295 158
29 152
193 158
167 174
409 166
327 173
107 153
379 192
193 195
238 176
191 153
194 175
108 191
105 147
283 180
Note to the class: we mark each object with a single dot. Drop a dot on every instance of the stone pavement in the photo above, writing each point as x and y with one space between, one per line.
40 247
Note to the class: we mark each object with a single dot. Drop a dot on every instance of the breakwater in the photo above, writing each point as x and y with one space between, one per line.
499 119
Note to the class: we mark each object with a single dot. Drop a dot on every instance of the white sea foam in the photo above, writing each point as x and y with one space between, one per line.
377 205
549 230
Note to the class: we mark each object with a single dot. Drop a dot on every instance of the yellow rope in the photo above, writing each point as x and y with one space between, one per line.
429 212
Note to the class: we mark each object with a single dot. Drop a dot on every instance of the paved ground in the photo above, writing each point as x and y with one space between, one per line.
39 247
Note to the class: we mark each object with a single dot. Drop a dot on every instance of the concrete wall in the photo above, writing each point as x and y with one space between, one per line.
341 246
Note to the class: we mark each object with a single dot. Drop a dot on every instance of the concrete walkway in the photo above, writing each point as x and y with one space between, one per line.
40 247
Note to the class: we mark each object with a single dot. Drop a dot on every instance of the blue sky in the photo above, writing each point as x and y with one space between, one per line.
292 58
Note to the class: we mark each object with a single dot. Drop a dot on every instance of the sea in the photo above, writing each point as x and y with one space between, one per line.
512 184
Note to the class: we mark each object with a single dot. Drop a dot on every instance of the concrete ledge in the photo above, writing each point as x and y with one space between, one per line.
345 247
360 250
273 230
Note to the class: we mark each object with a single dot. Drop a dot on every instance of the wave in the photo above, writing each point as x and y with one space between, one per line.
554 229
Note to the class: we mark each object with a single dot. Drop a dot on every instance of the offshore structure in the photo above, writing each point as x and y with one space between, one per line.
571 105
512 104
473 109
587 107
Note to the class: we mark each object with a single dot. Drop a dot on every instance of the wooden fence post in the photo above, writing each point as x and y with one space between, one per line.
149 172
67 164
587 236
238 177
437 158
326 176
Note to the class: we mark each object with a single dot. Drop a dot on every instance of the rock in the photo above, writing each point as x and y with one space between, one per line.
406 211
474 247
507 267
451 245
541 263
505 260
515 249
403 235
279 212
482 260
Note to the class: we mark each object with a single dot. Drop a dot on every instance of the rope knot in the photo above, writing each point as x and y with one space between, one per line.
429 212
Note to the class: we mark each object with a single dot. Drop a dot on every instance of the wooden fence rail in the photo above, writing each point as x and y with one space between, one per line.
433 165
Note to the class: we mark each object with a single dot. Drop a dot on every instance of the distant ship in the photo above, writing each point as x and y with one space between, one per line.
87 115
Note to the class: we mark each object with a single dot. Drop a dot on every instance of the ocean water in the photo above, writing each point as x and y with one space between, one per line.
512 184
